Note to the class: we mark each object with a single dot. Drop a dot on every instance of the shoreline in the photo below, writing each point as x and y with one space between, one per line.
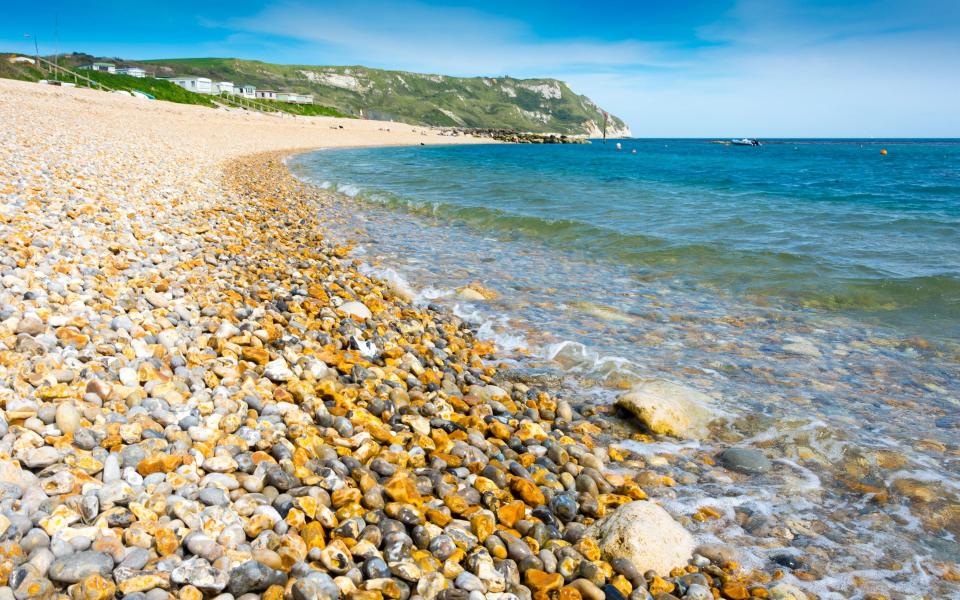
201 395
183 382
833 490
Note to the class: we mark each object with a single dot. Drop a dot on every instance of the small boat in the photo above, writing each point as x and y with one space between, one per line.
745 142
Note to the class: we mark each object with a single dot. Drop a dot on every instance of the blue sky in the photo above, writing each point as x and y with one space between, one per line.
719 68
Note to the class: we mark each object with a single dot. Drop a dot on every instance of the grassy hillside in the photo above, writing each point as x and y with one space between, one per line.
307 110
538 105
161 90
158 88
532 105
21 71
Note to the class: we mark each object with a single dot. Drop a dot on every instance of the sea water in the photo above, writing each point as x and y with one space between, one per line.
811 287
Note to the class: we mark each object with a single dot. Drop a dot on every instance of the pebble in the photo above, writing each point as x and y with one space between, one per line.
315 586
201 575
278 371
698 592
68 418
77 566
356 309
802 347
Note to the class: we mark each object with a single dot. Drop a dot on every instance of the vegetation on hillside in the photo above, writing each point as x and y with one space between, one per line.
158 88
21 71
307 110
531 105
537 105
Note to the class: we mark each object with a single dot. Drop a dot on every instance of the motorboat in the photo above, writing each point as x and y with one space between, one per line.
745 142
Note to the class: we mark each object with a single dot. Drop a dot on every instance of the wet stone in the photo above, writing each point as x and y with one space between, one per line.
745 460
948 422
541 377
698 592
588 590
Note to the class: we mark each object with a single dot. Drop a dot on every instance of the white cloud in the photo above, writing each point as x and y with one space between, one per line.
457 41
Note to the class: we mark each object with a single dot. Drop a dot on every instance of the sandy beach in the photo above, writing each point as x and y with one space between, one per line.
202 397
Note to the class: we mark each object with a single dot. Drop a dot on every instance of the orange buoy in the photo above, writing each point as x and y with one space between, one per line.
883 152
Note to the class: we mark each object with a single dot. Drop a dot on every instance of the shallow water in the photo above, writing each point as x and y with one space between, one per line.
828 225
863 430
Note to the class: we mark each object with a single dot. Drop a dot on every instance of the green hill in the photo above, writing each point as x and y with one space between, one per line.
532 105
536 105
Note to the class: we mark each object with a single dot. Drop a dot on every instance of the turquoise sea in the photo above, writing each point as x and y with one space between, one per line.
811 287
830 224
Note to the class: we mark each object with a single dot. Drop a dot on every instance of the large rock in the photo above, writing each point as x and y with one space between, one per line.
356 309
644 534
668 408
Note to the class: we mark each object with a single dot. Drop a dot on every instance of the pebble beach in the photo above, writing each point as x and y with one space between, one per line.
204 397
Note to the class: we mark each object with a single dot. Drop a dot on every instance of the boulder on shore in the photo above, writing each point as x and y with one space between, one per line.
667 408
644 534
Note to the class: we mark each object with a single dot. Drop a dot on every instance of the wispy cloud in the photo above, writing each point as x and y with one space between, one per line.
778 68
766 67
792 24
451 40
